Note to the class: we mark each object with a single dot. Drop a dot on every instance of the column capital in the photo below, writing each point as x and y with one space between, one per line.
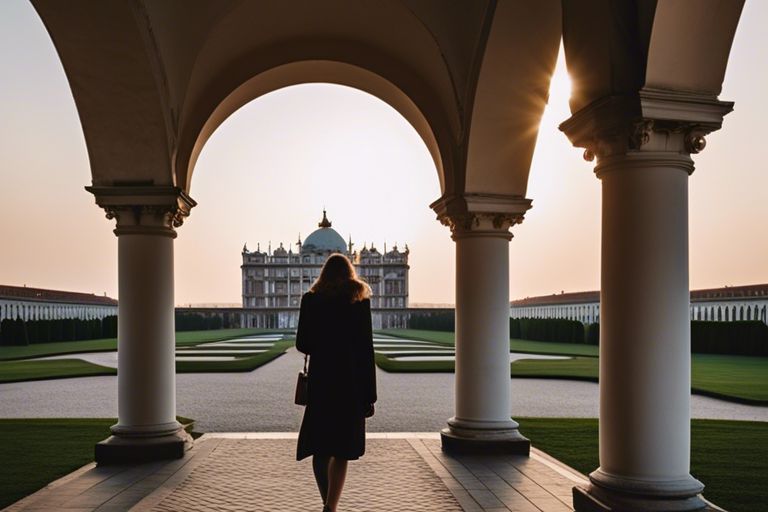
479 214
652 120
148 210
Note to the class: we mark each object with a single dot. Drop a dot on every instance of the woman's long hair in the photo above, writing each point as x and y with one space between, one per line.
339 279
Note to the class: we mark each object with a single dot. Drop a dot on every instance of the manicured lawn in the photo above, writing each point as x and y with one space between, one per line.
523 346
244 364
730 457
740 376
736 378
109 344
18 371
36 452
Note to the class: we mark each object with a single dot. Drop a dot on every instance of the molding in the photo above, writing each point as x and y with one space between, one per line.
479 214
651 120
140 209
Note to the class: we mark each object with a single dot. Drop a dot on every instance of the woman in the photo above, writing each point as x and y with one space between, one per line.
335 331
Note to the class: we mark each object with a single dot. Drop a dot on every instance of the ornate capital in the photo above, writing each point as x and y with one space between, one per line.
650 121
481 214
142 209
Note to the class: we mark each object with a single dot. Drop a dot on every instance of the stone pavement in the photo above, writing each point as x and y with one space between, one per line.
258 472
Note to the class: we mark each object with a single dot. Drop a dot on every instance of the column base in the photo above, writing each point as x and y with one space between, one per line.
119 449
606 493
467 441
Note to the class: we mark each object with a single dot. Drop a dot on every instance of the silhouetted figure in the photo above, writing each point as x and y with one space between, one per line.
335 330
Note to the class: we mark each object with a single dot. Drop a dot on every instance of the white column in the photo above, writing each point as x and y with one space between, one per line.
480 226
145 338
483 391
147 428
645 350
645 341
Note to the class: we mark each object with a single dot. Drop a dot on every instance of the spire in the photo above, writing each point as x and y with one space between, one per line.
350 244
325 223
258 246
245 247
298 243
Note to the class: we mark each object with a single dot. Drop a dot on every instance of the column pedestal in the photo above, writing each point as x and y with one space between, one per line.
147 429
483 395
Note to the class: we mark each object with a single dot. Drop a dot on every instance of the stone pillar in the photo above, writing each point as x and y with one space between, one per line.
147 428
480 226
643 148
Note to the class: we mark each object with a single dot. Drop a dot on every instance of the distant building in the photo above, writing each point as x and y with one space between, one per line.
274 281
726 304
41 304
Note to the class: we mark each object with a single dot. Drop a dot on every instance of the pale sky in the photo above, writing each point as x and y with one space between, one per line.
268 171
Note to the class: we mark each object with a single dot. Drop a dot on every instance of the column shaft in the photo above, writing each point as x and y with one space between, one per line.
645 332
146 337
483 390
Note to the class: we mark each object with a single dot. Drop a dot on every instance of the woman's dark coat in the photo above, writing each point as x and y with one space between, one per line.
337 336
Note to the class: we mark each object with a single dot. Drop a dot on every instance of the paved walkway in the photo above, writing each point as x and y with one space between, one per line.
258 472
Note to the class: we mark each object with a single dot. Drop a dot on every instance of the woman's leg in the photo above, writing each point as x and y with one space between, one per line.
320 468
337 473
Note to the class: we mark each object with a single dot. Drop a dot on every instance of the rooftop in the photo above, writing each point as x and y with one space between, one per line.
45 295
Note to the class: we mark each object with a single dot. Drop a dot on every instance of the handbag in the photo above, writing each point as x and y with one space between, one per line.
302 386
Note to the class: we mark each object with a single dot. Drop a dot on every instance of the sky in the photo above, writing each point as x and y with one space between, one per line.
266 174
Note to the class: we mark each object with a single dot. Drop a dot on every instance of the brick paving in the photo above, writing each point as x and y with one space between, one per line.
258 472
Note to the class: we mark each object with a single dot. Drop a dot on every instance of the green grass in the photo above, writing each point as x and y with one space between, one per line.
730 457
19 371
740 376
36 452
109 344
736 378
522 346
244 364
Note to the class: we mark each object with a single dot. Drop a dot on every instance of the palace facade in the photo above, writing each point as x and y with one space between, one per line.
274 281
21 302
730 303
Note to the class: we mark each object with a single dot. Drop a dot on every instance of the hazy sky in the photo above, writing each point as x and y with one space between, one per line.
268 171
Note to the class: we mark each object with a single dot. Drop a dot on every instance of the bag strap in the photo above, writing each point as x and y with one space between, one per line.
305 363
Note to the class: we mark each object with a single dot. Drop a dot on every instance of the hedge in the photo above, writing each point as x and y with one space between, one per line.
198 322
433 320
19 332
557 330
741 338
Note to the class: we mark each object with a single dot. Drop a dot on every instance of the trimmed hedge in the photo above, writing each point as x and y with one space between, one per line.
547 329
433 320
19 332
739 338
198 322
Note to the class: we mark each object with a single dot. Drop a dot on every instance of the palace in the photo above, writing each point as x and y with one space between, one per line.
274 281
27 303
731 303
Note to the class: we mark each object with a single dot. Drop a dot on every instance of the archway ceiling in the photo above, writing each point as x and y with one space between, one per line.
622 48
148 75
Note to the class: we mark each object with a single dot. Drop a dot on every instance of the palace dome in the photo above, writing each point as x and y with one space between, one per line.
325 239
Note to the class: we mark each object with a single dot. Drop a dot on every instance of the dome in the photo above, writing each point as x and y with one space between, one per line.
325 239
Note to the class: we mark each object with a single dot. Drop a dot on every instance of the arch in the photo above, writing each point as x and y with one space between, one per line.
741 313
719 314
662 45
433 132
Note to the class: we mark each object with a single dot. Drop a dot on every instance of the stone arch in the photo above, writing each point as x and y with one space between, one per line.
435 137
719 314
662 45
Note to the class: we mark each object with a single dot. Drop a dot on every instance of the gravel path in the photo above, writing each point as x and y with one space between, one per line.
262 400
